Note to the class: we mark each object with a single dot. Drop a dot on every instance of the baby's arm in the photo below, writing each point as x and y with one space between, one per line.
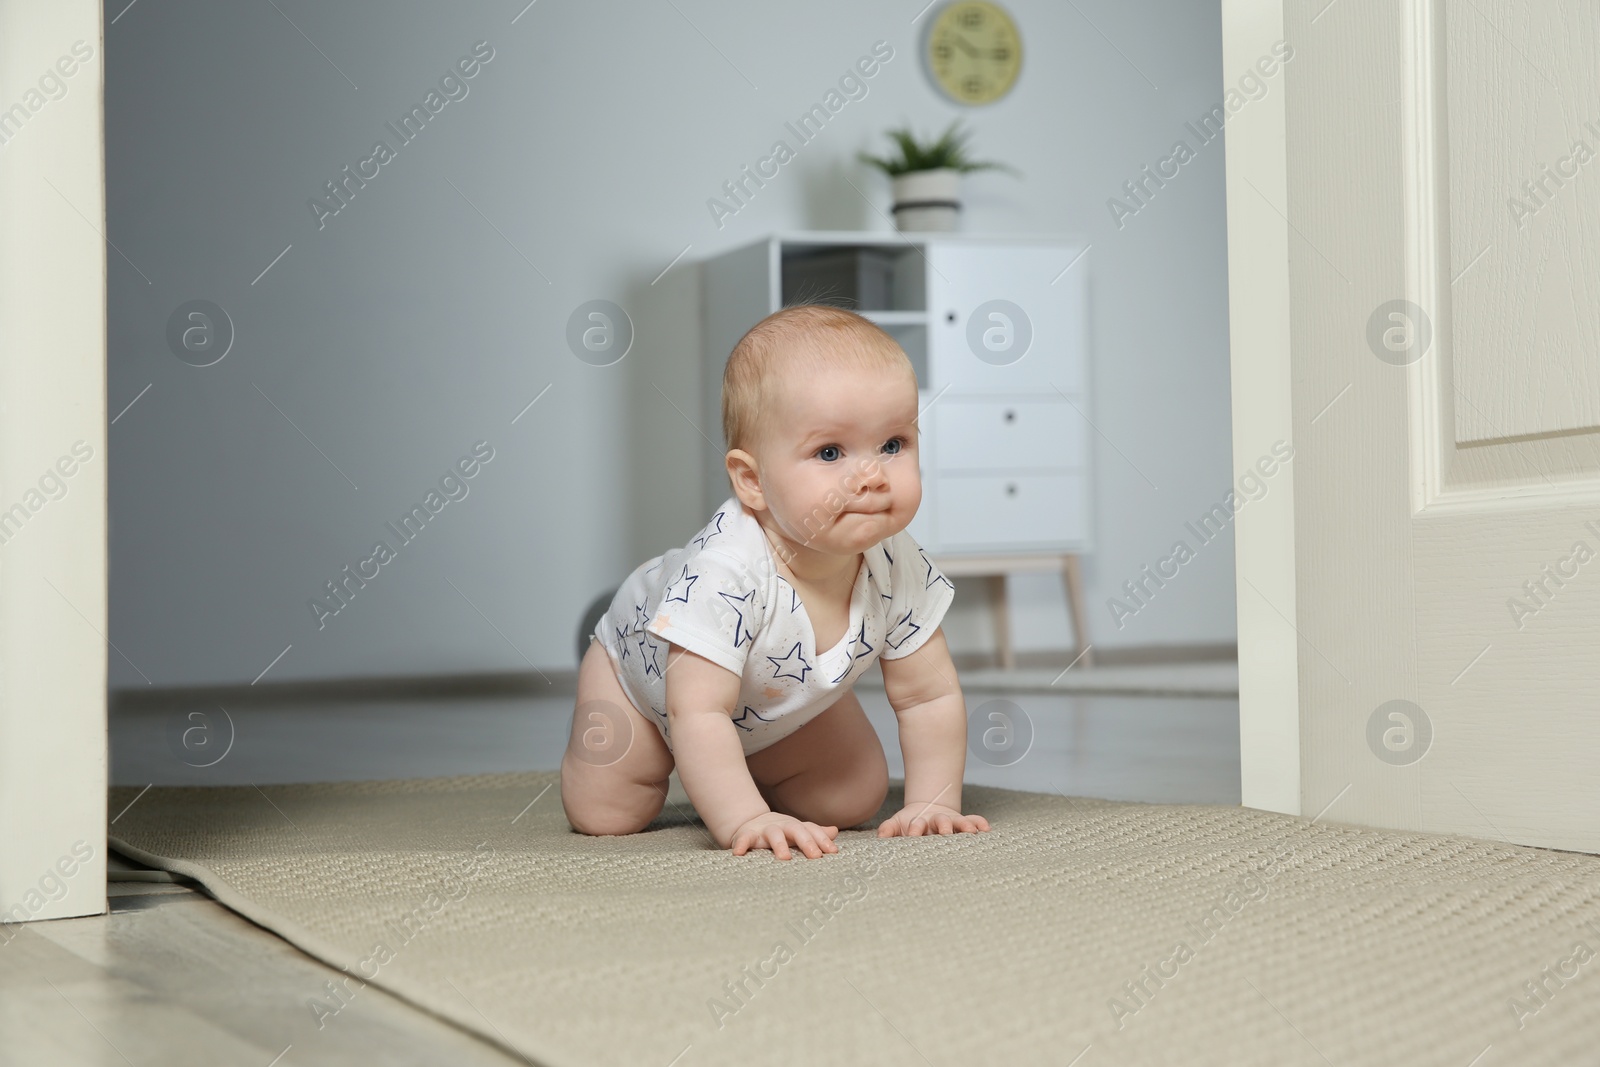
926 697
711 764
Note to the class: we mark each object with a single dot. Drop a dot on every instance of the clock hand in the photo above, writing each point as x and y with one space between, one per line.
965 46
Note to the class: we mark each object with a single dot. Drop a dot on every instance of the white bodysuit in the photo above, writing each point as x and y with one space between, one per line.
721 597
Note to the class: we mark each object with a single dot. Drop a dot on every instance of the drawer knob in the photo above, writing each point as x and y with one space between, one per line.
1011 489
1011 416
949 316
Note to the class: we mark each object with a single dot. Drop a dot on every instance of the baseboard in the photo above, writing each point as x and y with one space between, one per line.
556 682
1105 657
338 690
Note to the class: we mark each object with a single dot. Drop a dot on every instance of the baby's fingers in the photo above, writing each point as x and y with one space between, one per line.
812 839
962 824
778 842
807 843
824 838
824 835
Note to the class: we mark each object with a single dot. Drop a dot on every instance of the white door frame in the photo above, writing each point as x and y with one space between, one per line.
53 646
1258 323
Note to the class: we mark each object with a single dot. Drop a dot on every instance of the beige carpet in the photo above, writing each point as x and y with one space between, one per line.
1075 932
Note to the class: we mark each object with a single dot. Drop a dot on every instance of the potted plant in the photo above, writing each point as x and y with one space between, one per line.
926 178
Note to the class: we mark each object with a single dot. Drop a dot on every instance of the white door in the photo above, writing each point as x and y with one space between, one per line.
1430 174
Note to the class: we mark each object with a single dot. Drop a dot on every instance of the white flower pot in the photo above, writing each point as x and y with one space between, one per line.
927 200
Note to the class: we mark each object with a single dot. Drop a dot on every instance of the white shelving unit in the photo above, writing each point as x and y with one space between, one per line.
1004 391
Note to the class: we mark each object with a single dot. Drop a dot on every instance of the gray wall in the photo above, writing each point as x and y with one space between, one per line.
432 308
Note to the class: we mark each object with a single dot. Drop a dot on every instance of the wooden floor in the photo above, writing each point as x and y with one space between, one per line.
171 978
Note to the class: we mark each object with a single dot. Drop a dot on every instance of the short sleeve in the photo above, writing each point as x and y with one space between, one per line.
920 594
713 605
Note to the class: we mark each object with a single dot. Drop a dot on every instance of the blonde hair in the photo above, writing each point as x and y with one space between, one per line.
806 337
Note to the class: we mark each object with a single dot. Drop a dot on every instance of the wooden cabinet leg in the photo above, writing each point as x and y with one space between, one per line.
1080 628
1002 621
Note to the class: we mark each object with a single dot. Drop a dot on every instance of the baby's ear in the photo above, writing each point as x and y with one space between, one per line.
744 478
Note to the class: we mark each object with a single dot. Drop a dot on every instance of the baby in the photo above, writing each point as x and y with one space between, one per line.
734 657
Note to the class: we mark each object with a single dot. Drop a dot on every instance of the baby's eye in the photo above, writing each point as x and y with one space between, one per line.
898 442
822 453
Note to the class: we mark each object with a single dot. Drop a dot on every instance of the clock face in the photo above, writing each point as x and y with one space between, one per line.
973 51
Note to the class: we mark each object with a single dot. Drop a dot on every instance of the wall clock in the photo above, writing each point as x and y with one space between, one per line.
972 52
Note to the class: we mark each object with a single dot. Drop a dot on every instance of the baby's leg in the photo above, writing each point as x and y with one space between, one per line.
614 772
831 771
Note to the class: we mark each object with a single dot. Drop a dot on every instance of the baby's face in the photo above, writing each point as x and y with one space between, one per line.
838 458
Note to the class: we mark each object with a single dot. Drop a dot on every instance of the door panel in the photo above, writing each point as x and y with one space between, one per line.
1523 133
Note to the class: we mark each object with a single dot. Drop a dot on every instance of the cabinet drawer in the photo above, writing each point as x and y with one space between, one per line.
971 435
1002 511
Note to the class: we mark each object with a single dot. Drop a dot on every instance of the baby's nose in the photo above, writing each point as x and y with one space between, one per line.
873 476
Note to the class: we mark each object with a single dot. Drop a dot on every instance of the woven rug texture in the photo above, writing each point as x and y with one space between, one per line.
1076 931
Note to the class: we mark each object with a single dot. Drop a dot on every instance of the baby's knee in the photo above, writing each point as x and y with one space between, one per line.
607 820
854 804
607 812
873 794
607 824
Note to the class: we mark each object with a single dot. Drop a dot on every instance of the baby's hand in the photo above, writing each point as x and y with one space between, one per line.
914 820
774 830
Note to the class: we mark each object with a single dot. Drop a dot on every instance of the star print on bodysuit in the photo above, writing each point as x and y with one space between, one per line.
651 664
905 628
641 615
622 641
858 648
748 711
788 661
741 604
684 582
711 530
931 578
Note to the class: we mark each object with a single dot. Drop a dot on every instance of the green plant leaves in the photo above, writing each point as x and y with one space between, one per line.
950 150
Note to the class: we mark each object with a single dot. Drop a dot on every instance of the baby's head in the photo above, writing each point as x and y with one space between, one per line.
819 409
